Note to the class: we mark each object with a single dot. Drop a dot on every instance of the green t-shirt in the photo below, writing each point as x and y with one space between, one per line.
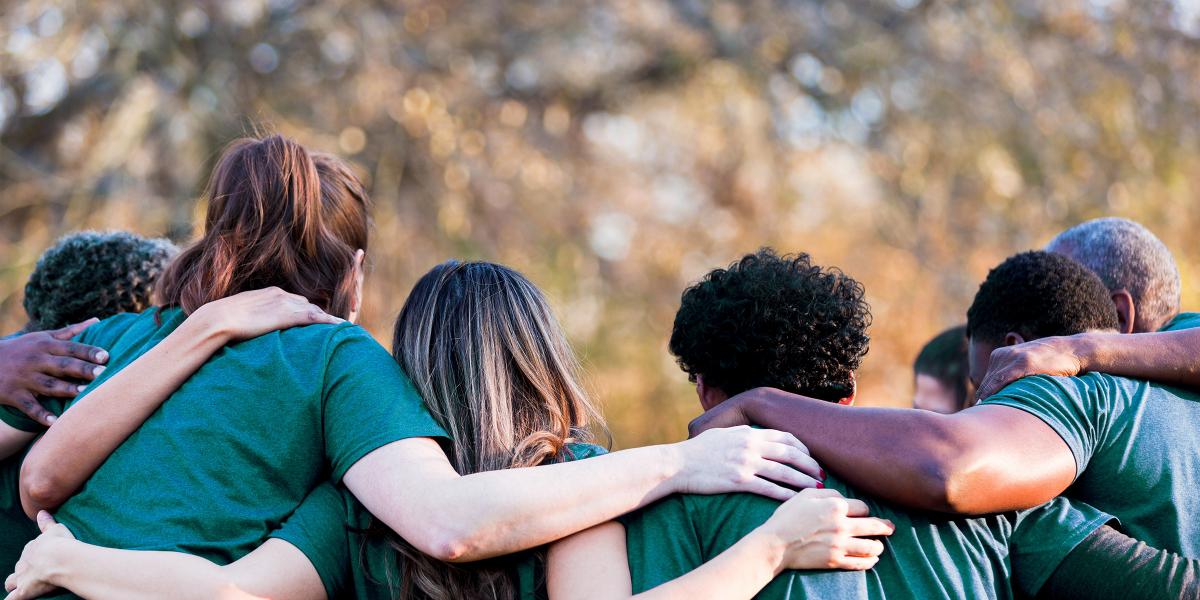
241 443
1183 321
1137 454
929 556
331 528
16 529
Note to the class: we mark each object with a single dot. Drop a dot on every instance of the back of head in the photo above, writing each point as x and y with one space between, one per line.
1126 255
493 365
778 321
1039 294
277 216
945 359
93 274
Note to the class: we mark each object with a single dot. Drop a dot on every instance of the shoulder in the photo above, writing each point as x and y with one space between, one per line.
1187 320
1046 387
106 333
579 451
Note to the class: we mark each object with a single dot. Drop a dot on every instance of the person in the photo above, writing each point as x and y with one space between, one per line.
940 373
83 277
498 374
294 408
1125 446
1136 267
785 322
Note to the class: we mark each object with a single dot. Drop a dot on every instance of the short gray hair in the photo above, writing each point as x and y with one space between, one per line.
1126 255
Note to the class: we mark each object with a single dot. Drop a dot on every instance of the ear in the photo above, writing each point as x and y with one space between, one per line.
709 396
849 400
1126 310
360 258
1013 338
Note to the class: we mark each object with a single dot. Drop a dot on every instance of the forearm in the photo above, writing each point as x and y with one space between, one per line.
468 518
1168 357
1109 564
741 571
948 463
100 573
100 421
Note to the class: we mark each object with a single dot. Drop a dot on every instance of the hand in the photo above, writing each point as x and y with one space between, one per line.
742 459
46 363
37 565
822 530
1046 356
729 413
254 313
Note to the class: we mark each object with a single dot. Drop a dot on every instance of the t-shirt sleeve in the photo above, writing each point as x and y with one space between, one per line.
1182 321
369 402
1073 407
1045 535
318 529
662 543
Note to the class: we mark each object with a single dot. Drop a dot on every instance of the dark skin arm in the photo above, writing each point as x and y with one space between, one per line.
1110 564
984 459
1168 357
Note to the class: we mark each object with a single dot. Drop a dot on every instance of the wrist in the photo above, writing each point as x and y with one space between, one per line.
206 327
769 545
62 555
1082 349
674 464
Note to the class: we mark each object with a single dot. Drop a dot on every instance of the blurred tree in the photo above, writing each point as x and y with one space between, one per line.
615 151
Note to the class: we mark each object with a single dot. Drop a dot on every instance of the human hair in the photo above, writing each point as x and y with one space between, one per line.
945 358
1038 294
1126 255
777 321
94 274
277 216
483 348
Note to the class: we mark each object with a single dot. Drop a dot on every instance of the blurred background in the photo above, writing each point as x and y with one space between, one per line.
616 150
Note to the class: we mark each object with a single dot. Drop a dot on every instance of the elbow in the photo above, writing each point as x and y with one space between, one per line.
40 492
939 487
452 546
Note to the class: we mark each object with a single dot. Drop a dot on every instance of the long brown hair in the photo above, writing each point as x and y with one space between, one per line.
483 348
277 216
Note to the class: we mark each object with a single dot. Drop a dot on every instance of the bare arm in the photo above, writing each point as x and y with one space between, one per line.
1110 564
101 421
413 489
12 440
815 530
1168 357
981 460
276 569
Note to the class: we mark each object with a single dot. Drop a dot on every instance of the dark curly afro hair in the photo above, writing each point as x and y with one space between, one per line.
1039 294
92 274
776 321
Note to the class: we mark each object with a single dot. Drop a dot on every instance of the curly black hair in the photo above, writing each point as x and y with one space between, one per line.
93 274
1038 294
777 321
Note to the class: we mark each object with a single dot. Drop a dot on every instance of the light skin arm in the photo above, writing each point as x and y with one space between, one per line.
55 559
1168 357
100 421
413 489
815 530
981 460
12 440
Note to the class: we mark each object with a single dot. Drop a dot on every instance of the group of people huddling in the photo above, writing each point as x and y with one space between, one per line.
227 431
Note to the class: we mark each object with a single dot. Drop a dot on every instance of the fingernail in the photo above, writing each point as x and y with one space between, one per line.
820 485
822 473
51 419
101 356
97 371
80 388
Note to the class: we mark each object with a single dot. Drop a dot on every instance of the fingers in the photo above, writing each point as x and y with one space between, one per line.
45 521
69 367
854 563
819 493
765 488
78 351
791 455
10 583
869 527
71 331
857 508
46 385
863 548
783 437
785 474
33 409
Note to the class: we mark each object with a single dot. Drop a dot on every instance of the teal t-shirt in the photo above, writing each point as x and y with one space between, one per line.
334 531
929 556
1136 449
233 452
16 529
1183 321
